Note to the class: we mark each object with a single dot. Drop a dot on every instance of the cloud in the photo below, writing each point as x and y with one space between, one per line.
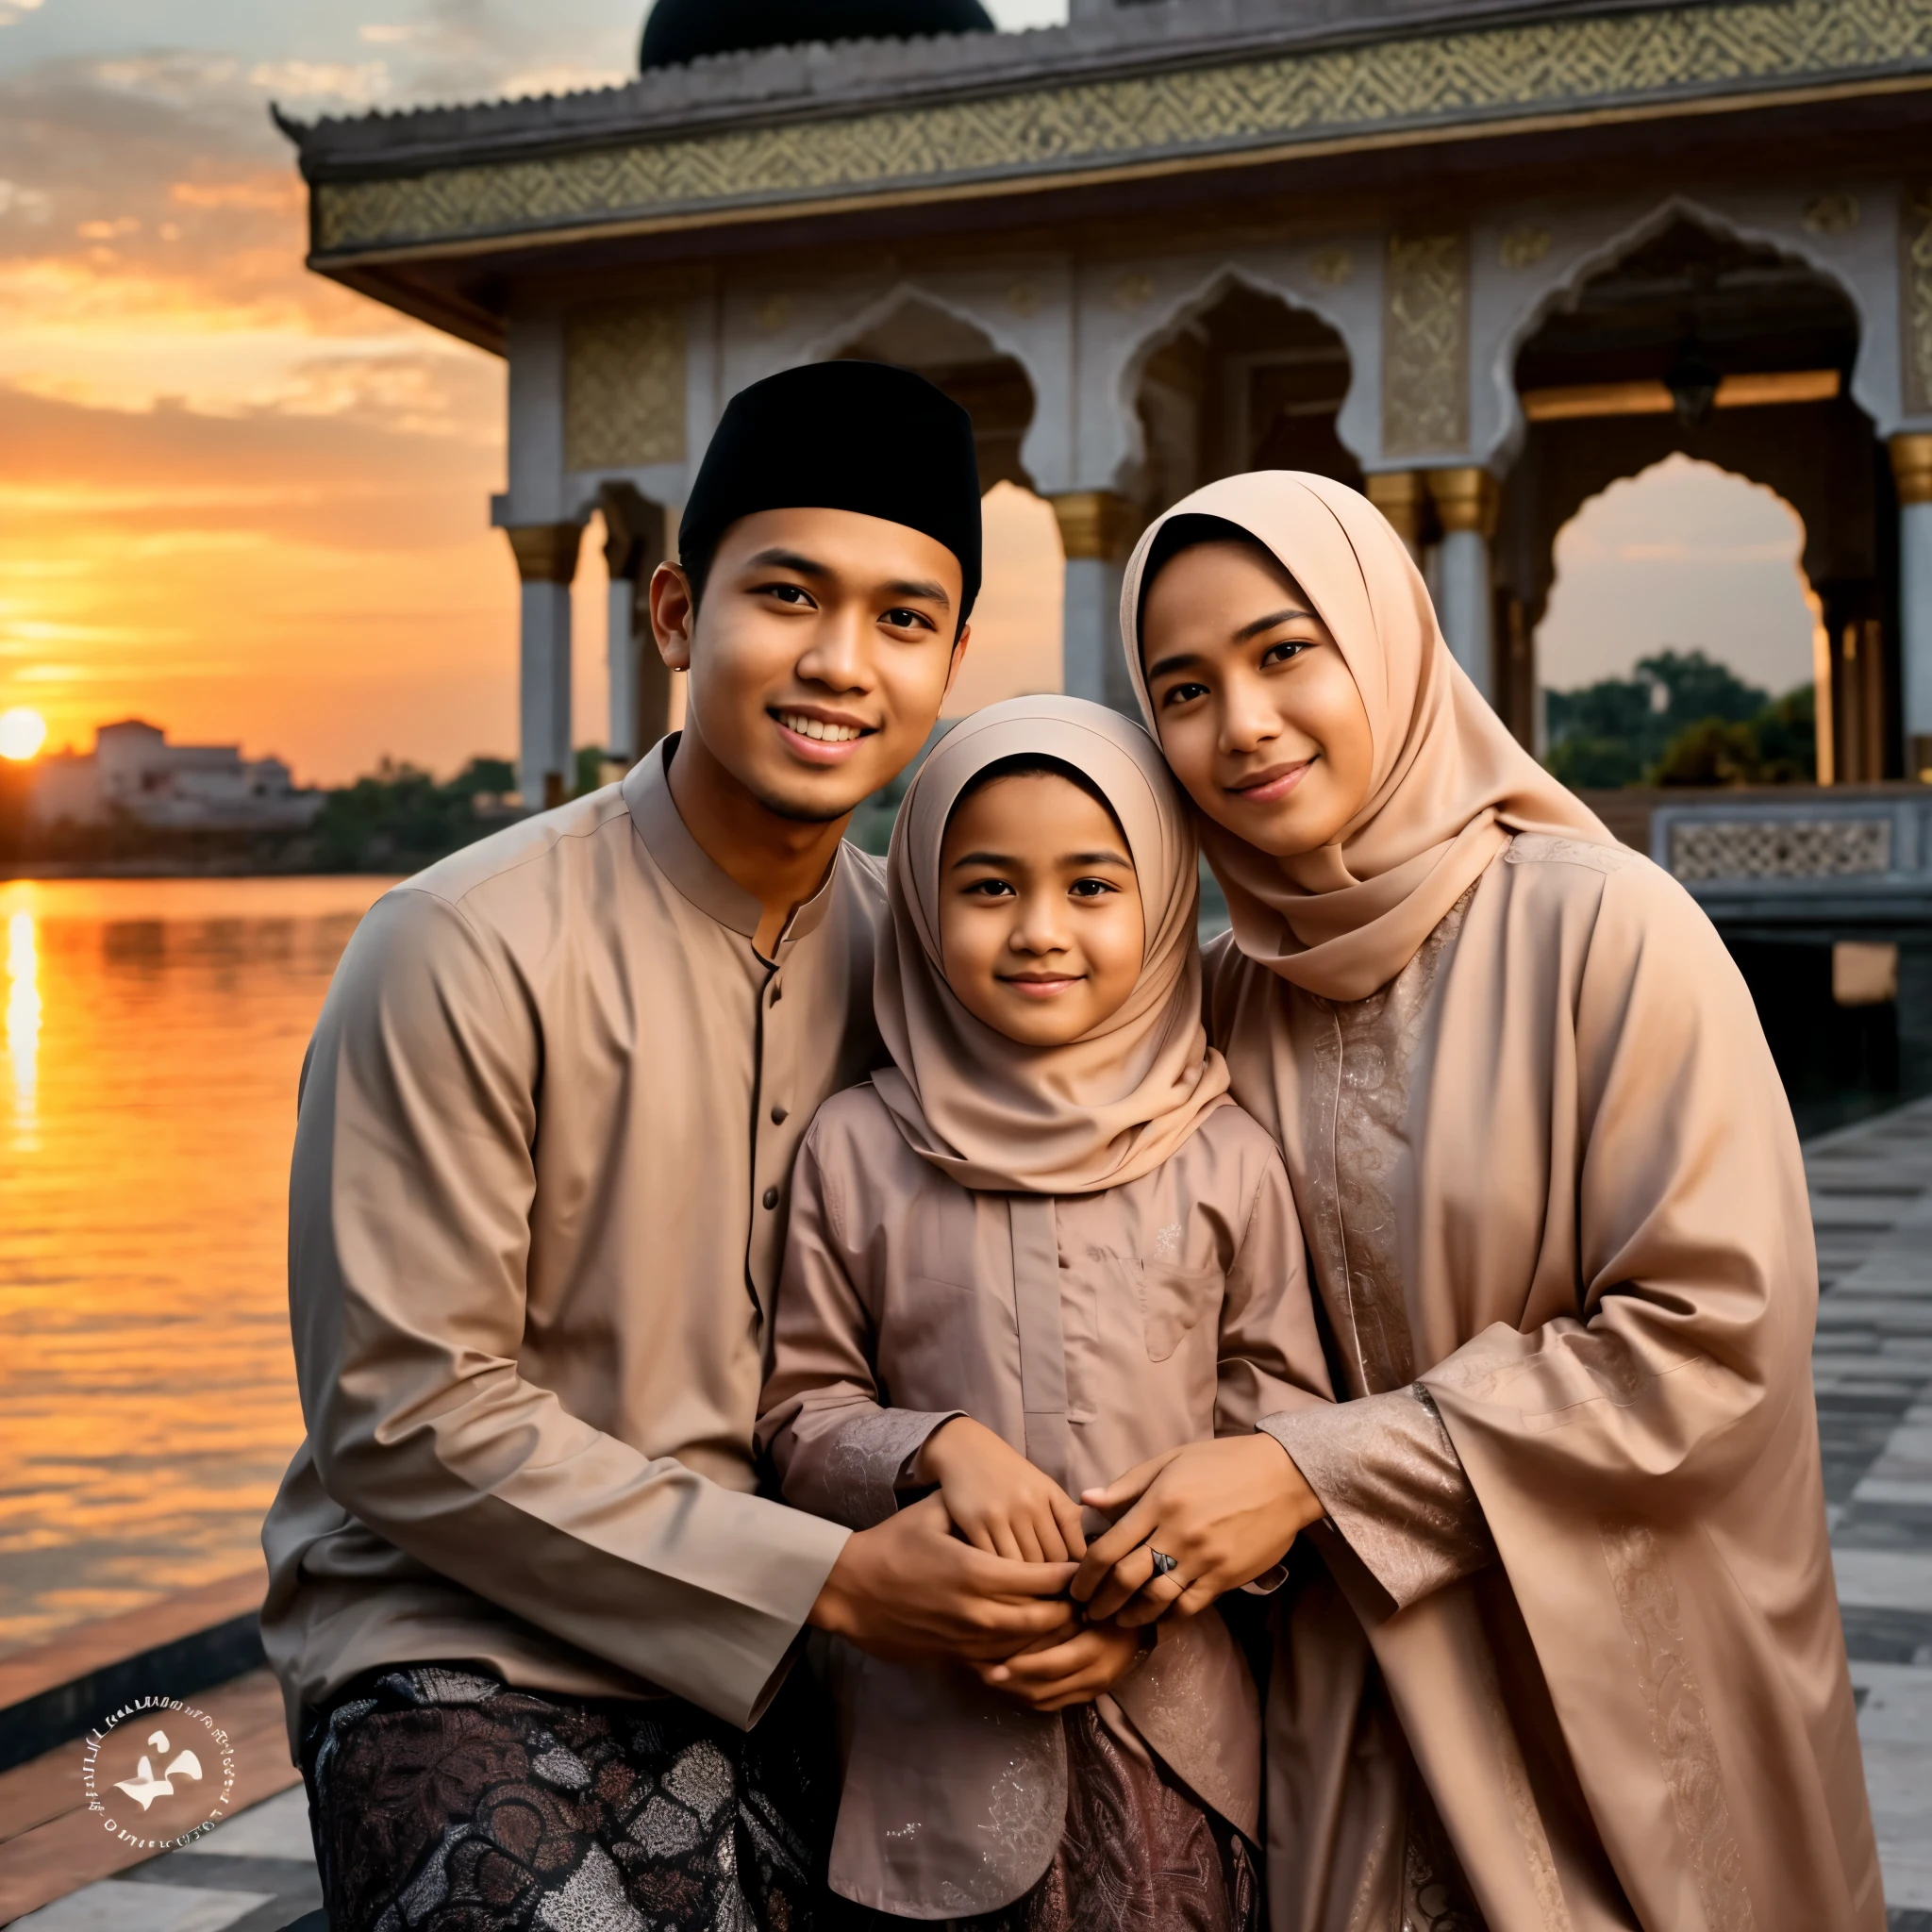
326 579
13 11
26 204
332 80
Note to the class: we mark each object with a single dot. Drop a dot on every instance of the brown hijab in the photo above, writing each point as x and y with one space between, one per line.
1450 783
1111 1105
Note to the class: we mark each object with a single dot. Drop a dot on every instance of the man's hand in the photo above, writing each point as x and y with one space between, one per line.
911 1590
999 1502
1225 1511
1067 1671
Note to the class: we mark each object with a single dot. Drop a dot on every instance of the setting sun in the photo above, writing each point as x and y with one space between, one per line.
22 733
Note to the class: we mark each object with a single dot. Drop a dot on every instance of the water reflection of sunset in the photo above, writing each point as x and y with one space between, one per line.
155 1032
22 1021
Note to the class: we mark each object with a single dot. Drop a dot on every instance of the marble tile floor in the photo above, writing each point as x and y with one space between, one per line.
1872 1204
1872 1366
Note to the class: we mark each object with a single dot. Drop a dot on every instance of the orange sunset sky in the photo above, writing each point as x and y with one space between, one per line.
245 504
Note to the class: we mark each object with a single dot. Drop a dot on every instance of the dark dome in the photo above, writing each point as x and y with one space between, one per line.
680 30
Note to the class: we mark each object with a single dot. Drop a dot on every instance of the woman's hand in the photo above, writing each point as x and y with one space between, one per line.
1225 1511
1066 1671
997 1500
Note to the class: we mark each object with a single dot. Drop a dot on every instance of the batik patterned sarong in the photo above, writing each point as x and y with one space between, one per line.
447 1801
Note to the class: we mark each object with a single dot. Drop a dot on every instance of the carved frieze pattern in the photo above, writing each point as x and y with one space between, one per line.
623 386
1470 75
1781 849
1915 296
1425 344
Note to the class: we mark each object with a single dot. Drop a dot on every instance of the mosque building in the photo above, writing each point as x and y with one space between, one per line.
1480 258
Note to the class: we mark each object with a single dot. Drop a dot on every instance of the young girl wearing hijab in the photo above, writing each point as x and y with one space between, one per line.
1040 1246
1570 1657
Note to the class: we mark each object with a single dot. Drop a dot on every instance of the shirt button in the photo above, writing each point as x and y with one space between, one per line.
778 1114
771 1197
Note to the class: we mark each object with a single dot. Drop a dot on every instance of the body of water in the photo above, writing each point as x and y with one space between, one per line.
154 1032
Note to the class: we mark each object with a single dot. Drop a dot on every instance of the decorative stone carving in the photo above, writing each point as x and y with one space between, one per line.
1425 344
1331 267
1581 65
1133 291
623 386
1780 848
1523 246
1023 299
1915 297
774 312
1831 214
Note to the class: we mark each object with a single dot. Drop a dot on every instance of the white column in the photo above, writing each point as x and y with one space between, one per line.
546 557
1466 504
1097 530
1911 464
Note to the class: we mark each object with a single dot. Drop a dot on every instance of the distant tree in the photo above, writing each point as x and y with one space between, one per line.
1711 751
1778 746
400 819
1788 739
1682 719
493 776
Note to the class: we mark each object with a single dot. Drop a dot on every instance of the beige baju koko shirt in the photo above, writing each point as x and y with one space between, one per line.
1090 1331
536 1218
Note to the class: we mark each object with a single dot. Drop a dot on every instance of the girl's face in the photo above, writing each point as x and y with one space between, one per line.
1253 703
1041 929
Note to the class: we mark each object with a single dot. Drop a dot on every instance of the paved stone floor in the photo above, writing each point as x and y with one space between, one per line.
1872 1204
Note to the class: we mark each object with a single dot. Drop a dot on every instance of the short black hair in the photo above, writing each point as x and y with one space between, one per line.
1039 764
1187 532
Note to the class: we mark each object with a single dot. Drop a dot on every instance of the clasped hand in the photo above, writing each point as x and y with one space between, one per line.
1001 1504
1018 1597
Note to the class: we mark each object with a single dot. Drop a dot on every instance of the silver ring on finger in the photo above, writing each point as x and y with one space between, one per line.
1164 1565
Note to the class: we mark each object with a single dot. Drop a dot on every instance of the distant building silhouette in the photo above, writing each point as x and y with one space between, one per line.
133 769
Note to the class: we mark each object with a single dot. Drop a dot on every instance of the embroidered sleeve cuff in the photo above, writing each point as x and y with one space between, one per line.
869 1460
1385 1470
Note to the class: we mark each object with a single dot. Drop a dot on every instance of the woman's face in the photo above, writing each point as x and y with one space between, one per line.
1041 925
1253 703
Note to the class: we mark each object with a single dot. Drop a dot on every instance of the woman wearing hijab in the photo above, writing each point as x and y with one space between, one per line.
1040 1246
1562 1649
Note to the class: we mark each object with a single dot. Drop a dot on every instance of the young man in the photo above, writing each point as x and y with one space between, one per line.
524 1601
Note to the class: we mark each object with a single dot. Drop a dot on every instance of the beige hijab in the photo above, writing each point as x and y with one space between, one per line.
1112 1105
1449 783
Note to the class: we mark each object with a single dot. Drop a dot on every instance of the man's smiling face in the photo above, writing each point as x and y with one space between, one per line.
819 655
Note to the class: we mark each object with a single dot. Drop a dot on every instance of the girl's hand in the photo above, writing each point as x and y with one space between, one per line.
997 1500
1067 1671
1225 1511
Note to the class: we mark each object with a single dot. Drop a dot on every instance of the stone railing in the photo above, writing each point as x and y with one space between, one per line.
1802 836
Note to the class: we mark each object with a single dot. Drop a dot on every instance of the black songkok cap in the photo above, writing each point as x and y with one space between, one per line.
859 435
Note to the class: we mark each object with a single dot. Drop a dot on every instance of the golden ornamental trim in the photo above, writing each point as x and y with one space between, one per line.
1915 297
1097 523
1472 76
